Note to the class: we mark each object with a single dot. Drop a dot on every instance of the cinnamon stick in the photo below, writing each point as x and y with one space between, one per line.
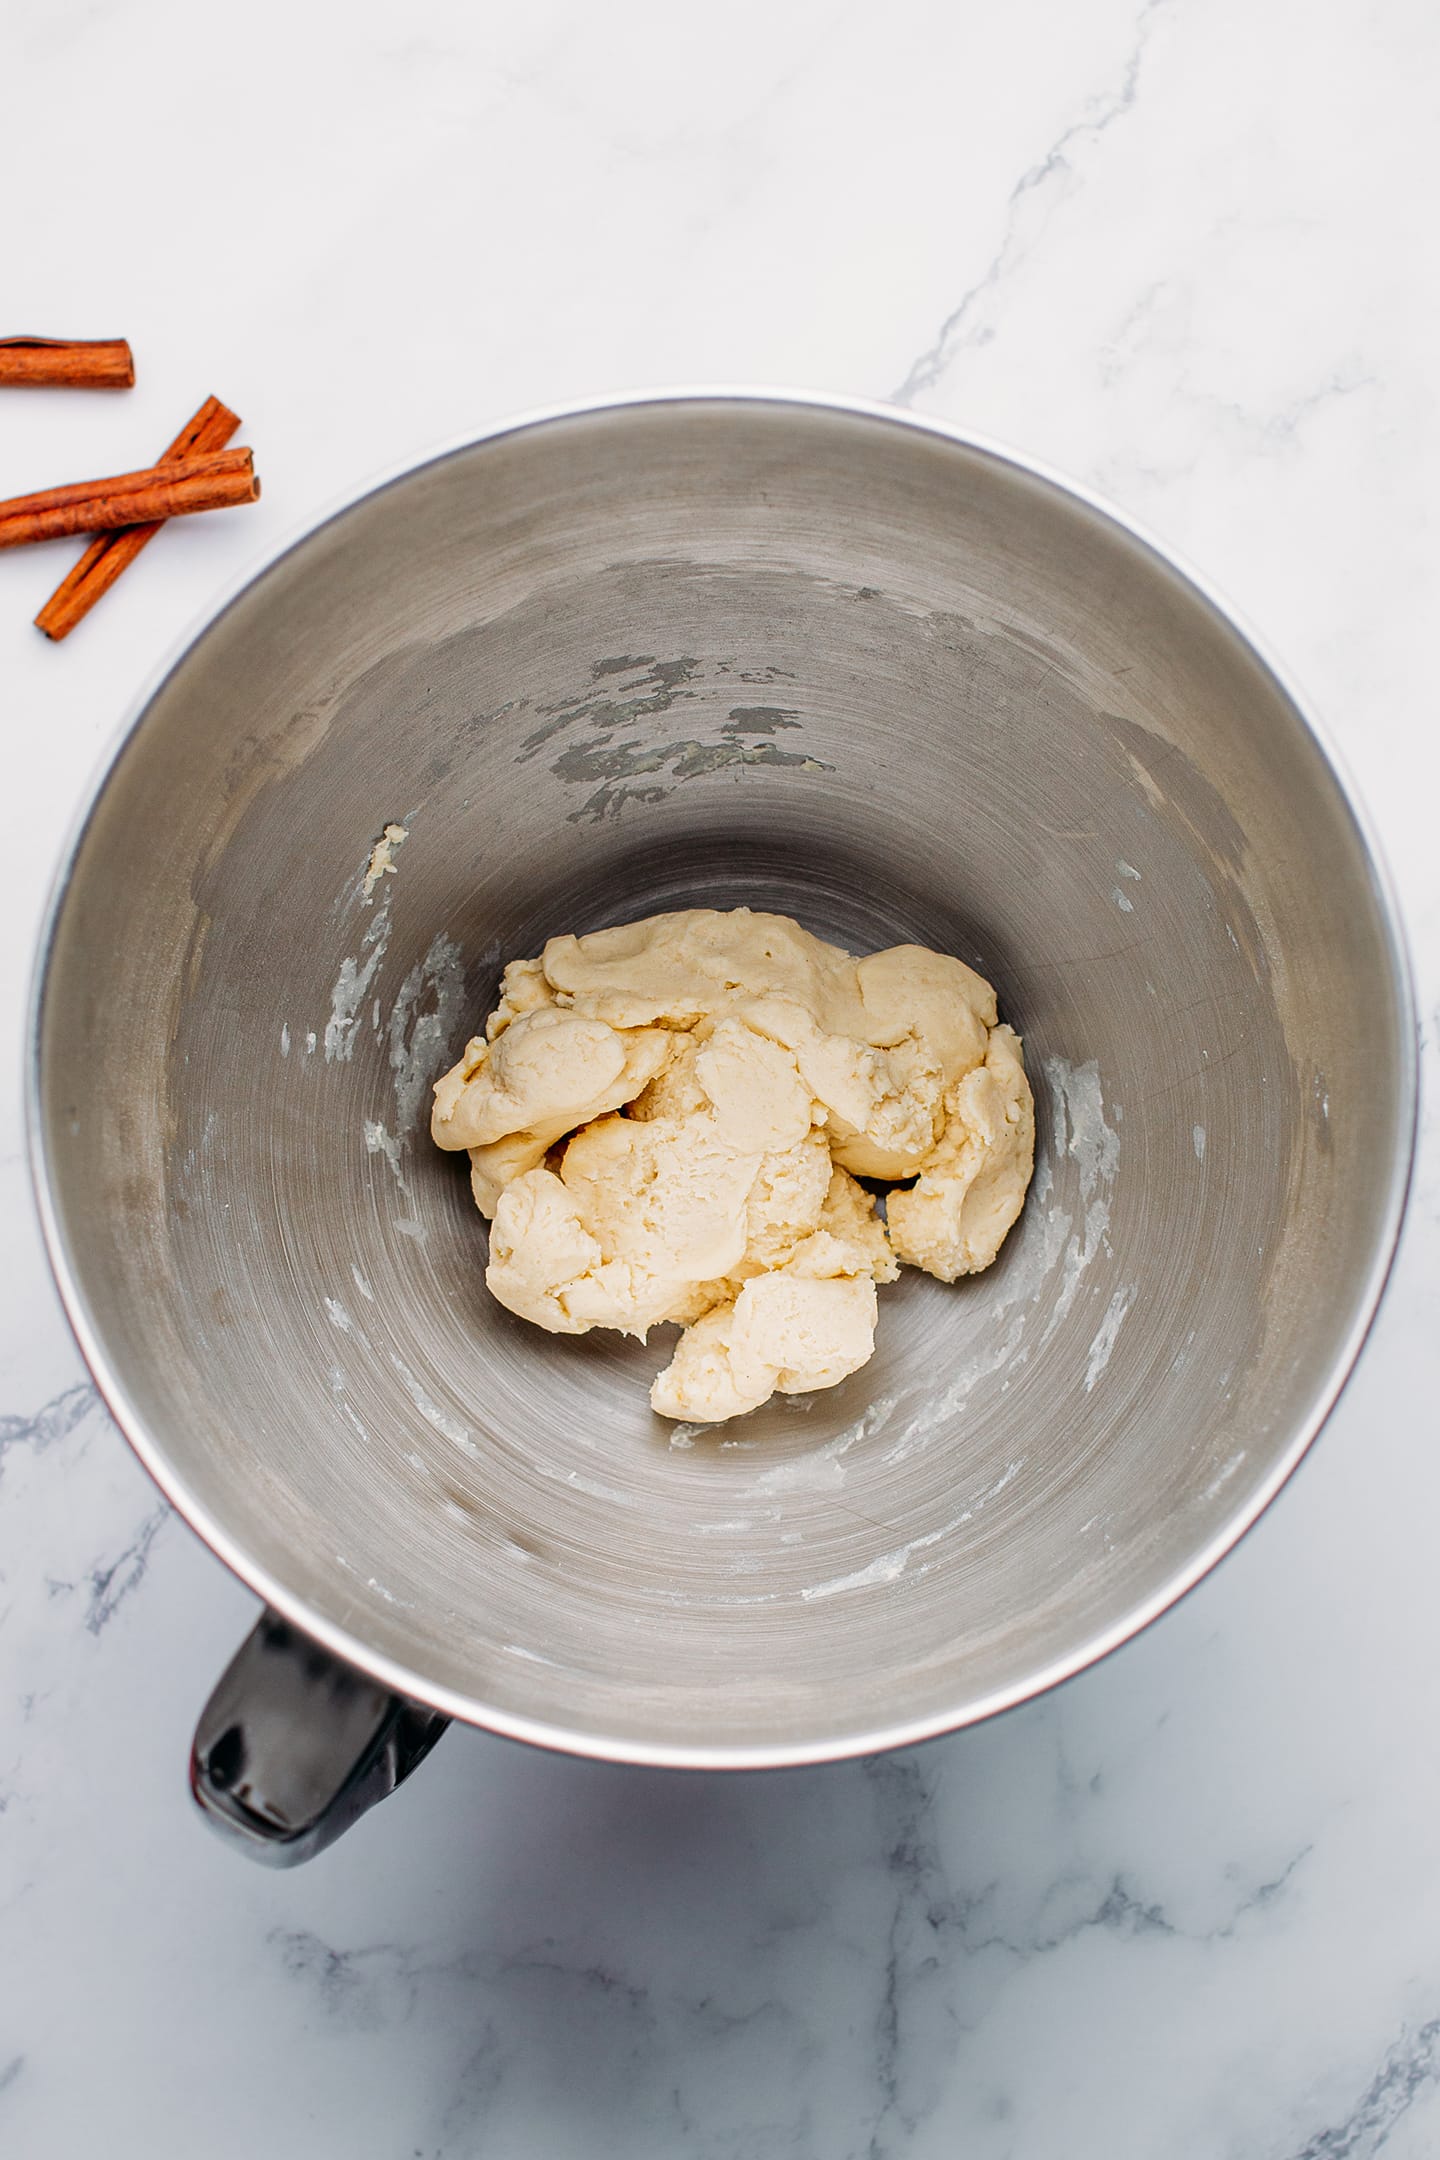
96 571
176 489
73 363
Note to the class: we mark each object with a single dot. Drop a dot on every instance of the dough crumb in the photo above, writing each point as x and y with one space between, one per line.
668 1122
382 862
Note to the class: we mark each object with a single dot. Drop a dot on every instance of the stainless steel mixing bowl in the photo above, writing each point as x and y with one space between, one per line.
712 650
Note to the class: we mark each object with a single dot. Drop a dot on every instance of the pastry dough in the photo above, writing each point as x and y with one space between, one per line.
666 1122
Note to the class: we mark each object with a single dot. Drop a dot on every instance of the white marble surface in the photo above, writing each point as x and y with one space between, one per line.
1189 1906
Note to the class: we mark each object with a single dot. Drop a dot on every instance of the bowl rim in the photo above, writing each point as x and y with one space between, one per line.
617 1747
